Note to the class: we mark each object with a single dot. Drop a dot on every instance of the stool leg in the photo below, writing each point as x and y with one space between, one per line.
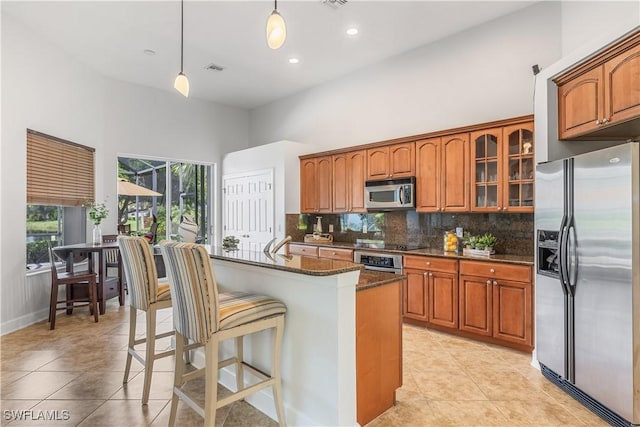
276 346
132 338
239 360
69 290
177 377
150 356
52 305
211 381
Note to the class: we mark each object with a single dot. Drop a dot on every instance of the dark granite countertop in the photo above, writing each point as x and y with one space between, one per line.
293 263
371 279
511 259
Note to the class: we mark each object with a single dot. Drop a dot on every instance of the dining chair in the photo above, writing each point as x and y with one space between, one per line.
68 279
148 295
205 318
111 261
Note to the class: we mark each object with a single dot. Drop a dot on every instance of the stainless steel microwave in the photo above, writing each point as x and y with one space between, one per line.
390 194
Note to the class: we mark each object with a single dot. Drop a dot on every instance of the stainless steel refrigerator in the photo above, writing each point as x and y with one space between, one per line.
588 279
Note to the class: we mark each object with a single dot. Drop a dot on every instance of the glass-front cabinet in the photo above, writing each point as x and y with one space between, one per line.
519 168
486 147
502 169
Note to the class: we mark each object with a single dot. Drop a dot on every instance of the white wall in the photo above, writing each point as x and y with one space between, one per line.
48 91
280 156
584 22
477 76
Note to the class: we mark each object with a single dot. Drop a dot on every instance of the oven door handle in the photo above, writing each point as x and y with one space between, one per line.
383 269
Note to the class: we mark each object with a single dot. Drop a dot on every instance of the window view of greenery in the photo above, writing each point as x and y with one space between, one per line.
44 227
186 194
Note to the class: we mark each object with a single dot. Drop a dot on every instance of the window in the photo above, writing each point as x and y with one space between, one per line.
185 189
60 178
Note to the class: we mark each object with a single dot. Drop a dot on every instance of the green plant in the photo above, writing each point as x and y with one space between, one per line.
97 211
487 240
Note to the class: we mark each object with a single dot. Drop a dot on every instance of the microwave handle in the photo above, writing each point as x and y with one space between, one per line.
401 194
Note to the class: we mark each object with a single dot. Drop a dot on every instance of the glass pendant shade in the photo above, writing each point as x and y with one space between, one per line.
276 30
182 84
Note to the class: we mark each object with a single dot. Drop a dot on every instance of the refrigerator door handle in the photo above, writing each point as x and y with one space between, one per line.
572 257
562 255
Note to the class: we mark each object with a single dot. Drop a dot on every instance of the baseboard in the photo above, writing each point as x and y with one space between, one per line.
261 400
23 321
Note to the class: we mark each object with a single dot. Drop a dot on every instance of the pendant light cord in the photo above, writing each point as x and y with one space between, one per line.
276 5
181 36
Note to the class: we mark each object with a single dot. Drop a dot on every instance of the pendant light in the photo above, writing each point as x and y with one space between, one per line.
182 83
276 29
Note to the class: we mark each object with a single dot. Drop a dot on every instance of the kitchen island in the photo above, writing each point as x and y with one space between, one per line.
321 333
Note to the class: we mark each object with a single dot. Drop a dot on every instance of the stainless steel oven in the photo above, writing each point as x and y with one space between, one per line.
379 261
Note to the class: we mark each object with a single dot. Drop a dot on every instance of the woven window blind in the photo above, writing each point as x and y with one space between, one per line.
59 172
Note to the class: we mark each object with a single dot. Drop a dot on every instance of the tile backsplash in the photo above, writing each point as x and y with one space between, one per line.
514 232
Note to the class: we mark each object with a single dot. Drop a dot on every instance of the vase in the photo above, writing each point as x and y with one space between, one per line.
97 235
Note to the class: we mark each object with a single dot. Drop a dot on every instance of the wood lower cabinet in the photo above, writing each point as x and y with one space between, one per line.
308 250
316 184
431 290
378 349
602 93
496 301
349 175
476 315
391 161
335 253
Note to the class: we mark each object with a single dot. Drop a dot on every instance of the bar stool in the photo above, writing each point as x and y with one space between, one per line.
206 318
145 294
83 278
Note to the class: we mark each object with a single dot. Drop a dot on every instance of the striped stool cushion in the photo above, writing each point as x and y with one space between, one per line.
164 292
237 308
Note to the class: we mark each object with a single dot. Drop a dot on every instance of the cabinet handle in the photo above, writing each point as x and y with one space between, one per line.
488 282
491 270
425 274
498 208
334 253
428 262
495 282
598 122
605 120
430 274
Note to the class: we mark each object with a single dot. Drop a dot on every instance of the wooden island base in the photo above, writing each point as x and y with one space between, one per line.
378 349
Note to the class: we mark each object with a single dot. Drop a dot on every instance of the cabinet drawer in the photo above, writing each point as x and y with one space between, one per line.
431 263
334 253
303 250
498 270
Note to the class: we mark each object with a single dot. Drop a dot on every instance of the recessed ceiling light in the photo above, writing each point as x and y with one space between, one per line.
149 52
293 60
352 31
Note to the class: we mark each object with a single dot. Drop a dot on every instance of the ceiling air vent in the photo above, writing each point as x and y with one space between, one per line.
334 3
213 67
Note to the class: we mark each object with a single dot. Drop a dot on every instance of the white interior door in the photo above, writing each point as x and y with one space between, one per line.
248 208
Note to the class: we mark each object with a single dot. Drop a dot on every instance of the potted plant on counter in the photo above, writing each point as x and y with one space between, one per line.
478 245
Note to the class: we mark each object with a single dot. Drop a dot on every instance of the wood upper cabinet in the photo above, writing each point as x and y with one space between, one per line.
442 174
454 186
581 104
391 161
502 169
316 184
349 175
622 87
601 93
428 180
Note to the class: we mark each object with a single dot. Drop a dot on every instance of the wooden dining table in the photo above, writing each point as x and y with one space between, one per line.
108 287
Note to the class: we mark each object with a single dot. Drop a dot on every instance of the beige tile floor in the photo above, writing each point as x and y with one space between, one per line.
77 371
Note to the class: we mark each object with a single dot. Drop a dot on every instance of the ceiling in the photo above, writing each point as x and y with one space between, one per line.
111 37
